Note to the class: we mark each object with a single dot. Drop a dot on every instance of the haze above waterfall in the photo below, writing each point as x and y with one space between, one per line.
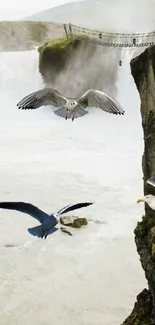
116 15
94 276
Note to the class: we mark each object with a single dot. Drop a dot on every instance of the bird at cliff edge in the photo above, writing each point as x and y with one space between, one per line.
71 107
48 221
149 199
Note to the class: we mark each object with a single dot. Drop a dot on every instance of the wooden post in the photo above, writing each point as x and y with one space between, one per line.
65 29
70 29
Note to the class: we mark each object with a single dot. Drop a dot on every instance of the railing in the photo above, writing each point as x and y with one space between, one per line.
110 39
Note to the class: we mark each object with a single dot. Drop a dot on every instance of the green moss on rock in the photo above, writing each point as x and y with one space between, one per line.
153 251
75 223
79 222
54 55
144 226
141 314
145 238
57 44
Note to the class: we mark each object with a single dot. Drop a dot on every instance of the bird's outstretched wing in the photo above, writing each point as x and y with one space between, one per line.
72 207
151 181
43 97
28 208
97 98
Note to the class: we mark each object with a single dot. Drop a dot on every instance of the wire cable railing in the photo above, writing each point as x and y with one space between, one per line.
121 40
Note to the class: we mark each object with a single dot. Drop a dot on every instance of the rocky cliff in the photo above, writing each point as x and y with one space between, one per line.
74 65
23 35
143 71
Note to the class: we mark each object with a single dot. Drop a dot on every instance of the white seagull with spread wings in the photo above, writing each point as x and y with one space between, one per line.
71 107
48 221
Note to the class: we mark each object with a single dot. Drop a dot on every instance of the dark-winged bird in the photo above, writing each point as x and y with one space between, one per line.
71 107
48 222
151 181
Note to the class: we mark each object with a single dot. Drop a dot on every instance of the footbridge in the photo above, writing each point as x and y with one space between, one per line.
121 40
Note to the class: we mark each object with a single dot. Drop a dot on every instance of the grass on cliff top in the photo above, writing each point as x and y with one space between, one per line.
56 44
61 43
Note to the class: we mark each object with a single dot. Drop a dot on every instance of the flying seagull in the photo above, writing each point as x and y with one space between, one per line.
48 221
149 199
71 107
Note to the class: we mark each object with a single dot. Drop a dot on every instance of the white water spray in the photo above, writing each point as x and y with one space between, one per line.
94 276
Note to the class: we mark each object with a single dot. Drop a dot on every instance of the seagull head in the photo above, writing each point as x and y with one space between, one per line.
73 104
71 107
149 199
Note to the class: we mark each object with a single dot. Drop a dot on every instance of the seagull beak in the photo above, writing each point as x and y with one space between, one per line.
140 200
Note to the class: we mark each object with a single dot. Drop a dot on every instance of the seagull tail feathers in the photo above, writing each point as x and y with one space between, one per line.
60 112
36 231
80 112
41 231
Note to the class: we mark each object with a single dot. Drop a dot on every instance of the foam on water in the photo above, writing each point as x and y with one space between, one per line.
94 276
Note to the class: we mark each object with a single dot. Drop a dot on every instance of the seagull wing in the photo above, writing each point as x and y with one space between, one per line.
27 208
151 181
97 98
72 207
43 97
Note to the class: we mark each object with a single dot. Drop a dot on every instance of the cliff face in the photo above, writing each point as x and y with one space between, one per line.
23 35
73 66
54 56
143 71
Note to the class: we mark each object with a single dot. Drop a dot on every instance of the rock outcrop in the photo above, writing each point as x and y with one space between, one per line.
24 35
74 222
54 56
74 65
143 71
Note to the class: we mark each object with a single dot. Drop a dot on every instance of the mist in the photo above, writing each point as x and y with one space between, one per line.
91 66
95 275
